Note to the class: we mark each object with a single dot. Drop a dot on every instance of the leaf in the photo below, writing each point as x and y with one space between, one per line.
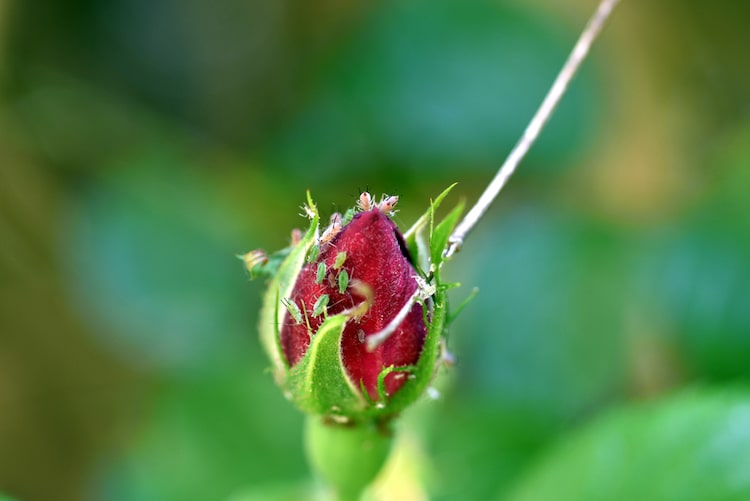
319 383
147 257
373 96
280 286
695 271
695 445
442 232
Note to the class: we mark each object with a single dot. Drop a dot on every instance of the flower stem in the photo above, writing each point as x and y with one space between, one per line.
347 456
349 498
537 123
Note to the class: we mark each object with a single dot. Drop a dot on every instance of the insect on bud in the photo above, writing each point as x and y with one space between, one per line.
371 250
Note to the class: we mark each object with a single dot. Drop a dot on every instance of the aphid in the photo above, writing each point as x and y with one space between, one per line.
332 229
321 273
339 262
343 281
365 201
309 211
320 305
293 309
336 221
348 216
387 203
314 253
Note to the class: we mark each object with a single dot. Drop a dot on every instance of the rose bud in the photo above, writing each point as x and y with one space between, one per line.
365 262
352 328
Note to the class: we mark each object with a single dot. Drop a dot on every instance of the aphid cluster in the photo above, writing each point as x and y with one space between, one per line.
336 276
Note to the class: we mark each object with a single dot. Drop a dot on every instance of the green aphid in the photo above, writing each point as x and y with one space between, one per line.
314 253
320 305
343 281
340 258
348 215
321 273
293 310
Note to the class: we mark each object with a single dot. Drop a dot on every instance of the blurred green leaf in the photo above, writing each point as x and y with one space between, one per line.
694 276
544 334
277 492
540 345
150 260
695 445
476 450
436 84
207 437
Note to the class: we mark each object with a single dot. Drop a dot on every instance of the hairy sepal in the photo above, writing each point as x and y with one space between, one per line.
427 241
280 286
319 383
418 238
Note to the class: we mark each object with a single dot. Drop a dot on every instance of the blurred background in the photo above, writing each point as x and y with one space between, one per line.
144 144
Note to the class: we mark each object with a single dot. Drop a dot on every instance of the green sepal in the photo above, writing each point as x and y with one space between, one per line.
441 233
270 267
424 370
279 287
428 246
468 299
382 393
319 383
417 241
424 218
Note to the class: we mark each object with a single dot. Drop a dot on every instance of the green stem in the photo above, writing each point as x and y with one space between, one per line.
347 456
356 497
